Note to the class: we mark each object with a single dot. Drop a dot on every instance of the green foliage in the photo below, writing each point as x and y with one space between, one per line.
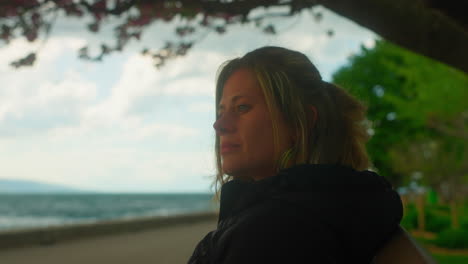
452 238
410 219
436 222
437 218
406 94
432 197
464 221
464 224
450 259
439 208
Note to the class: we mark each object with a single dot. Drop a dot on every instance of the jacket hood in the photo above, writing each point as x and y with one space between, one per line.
360 207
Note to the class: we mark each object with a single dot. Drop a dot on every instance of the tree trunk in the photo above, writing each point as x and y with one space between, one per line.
404 201
421 212
454 214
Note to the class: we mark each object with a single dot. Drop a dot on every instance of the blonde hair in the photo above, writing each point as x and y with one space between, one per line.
334 134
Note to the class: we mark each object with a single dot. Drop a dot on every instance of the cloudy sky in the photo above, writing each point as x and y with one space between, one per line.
121 125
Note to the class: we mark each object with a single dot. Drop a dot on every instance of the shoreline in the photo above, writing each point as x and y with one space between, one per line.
48 236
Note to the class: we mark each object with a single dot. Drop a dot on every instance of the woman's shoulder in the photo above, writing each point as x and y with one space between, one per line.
324 193
314 204
277 232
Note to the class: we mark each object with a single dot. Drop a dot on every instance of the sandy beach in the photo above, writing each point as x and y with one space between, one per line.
169 244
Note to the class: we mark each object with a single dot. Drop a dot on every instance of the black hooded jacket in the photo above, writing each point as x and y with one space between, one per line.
304 214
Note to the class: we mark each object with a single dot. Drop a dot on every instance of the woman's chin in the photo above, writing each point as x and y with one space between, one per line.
229 171
232 170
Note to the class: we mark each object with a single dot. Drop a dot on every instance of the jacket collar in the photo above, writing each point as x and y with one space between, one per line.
237 195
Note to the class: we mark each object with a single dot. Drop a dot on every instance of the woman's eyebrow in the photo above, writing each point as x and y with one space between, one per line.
233 100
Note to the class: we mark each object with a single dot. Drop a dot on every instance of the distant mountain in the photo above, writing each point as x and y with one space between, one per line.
24 186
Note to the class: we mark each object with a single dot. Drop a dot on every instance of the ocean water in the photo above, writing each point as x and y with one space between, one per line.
22 211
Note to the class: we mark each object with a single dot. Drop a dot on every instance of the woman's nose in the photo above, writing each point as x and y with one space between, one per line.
224 124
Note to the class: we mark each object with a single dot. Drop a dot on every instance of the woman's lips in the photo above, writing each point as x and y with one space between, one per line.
228 148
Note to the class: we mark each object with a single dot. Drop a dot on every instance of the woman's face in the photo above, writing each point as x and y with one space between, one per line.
244 127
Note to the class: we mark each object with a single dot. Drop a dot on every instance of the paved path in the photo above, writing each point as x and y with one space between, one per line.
165 245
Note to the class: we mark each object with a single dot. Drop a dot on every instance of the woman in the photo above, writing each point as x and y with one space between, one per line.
291 166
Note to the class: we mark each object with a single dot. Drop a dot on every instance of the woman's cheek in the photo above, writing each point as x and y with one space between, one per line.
262 137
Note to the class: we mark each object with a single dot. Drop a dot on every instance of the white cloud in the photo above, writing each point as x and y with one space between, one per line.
72 87
109 168
48 51
189 87
169 131
141 88
311 44
28 91
369 43
122 125
203 107
45 105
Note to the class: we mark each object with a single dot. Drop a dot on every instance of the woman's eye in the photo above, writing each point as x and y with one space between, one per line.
243 108
239 108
